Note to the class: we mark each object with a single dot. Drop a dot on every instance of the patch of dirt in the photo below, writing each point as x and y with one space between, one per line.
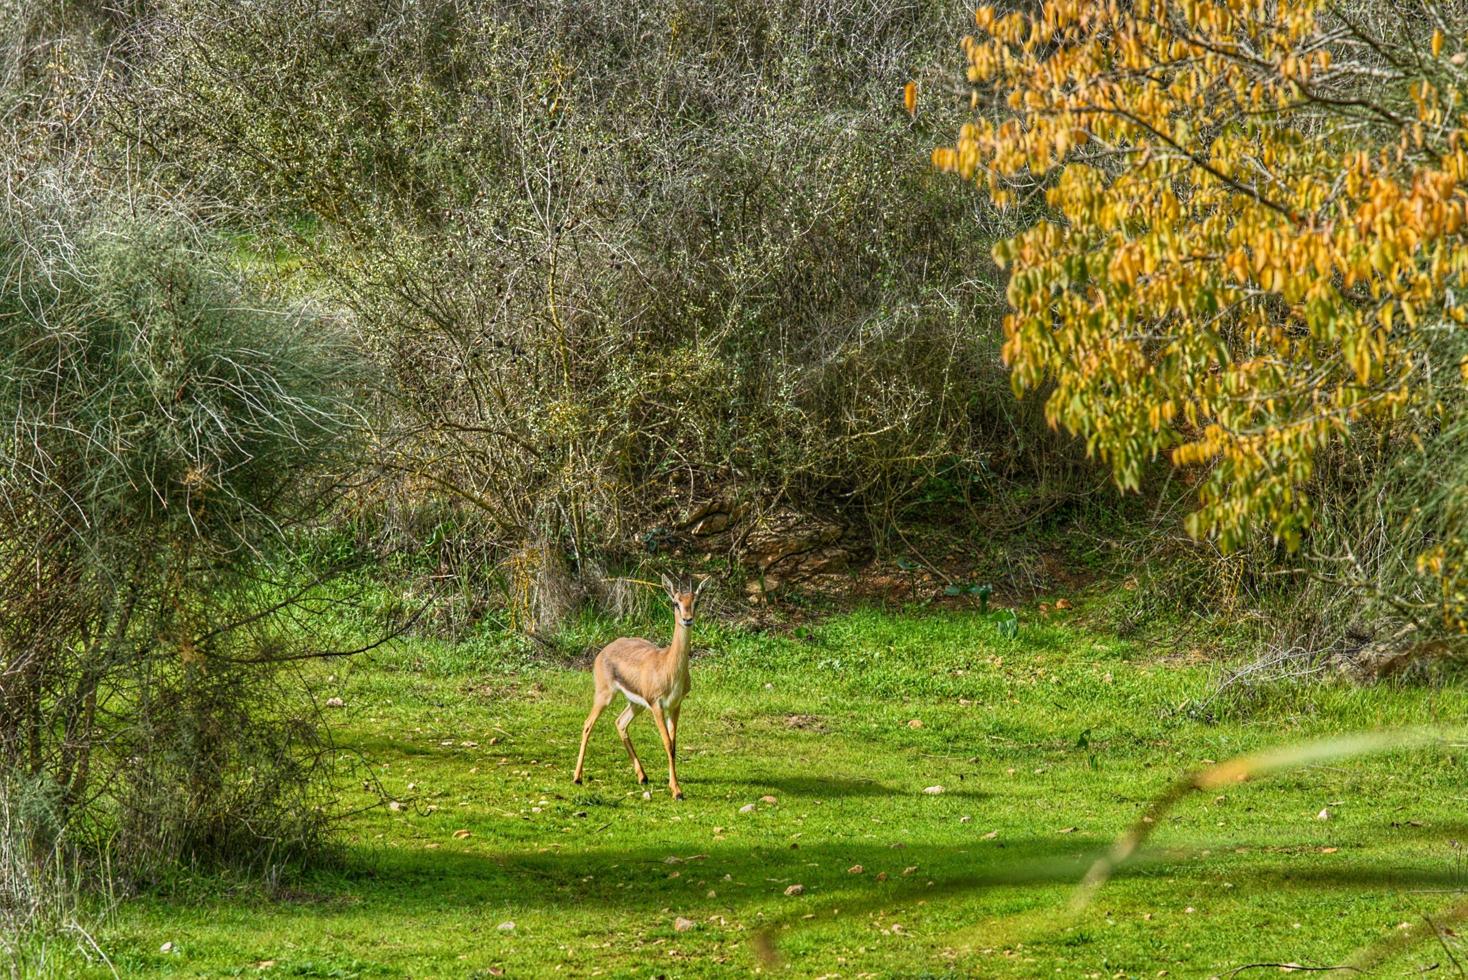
298 896
811 723
788 553
584 659
1191 657
488 692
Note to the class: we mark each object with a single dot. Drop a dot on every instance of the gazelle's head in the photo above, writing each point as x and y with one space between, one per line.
684 595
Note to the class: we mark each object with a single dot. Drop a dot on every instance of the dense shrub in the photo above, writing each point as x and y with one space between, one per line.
164 432
617 257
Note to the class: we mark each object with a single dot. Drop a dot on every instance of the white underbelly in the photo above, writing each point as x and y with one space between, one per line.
672 698
635 699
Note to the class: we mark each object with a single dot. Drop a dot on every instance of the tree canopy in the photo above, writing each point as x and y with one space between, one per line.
1245 239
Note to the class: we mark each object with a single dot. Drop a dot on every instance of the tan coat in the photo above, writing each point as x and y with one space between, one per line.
652 678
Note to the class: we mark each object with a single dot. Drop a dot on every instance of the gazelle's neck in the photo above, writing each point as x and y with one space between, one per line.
679 647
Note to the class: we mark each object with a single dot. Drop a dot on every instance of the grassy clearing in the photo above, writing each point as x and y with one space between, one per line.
1048 746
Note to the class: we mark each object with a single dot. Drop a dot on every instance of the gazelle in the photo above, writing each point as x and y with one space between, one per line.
652 678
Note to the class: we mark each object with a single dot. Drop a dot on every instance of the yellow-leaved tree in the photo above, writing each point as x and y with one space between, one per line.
1243 222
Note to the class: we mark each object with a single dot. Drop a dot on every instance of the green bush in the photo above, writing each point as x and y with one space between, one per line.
165 431
617 258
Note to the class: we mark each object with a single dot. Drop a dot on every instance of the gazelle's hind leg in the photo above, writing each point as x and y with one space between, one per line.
598 705
623 720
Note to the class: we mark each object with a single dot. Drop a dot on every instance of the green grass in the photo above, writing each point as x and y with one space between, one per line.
1048 746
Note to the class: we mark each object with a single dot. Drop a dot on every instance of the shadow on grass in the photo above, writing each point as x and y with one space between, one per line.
416 881
825 787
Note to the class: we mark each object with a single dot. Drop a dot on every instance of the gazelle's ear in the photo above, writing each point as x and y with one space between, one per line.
698 590
668 587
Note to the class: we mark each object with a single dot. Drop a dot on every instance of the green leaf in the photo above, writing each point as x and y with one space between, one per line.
1007 623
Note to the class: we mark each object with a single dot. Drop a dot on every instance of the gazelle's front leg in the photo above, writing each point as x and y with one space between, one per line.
662 723
673 710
